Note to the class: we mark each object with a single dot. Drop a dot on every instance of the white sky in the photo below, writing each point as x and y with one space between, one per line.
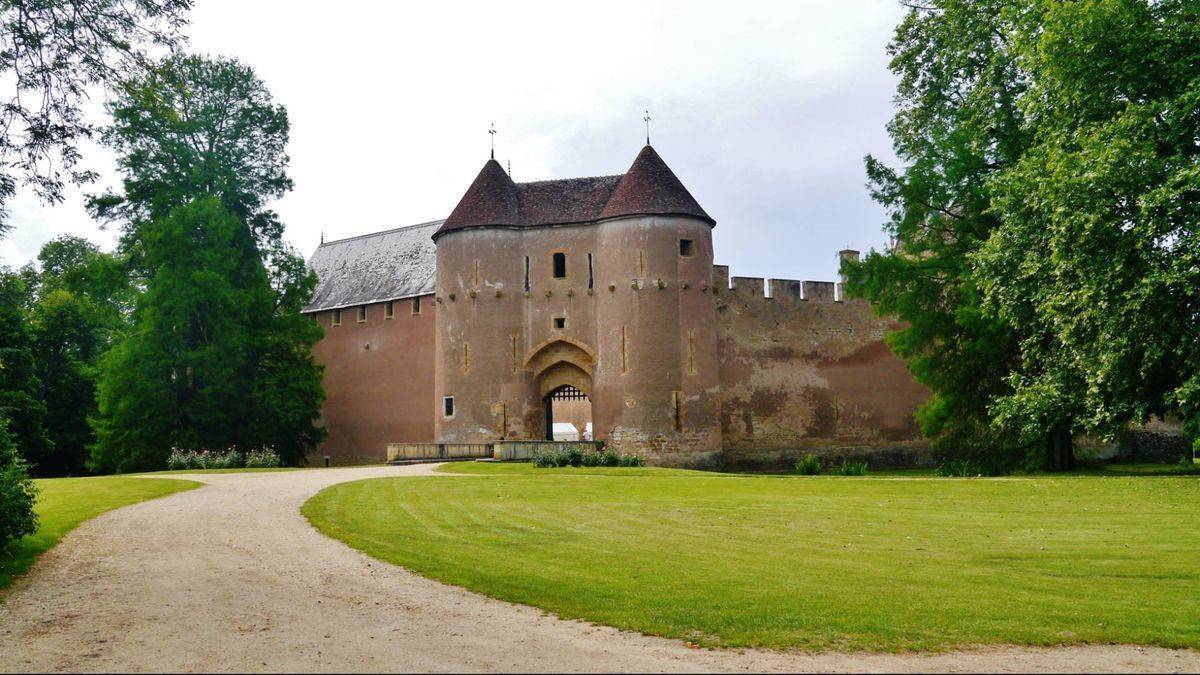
764 110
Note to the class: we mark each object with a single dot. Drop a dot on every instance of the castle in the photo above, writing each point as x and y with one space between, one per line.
532 302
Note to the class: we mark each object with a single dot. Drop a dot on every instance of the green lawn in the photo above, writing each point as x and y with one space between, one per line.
64 503
796 562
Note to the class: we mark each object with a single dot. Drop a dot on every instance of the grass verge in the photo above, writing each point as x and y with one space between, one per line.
808 563
64 503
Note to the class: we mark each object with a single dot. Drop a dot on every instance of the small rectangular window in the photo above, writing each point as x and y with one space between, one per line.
591 279
389 310
687 248
560 265
416 305
560 322
337 317
362 313
448 406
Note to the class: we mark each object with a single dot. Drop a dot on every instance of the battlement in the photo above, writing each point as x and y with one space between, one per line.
781 290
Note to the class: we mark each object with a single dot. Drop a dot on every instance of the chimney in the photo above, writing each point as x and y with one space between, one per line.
844 255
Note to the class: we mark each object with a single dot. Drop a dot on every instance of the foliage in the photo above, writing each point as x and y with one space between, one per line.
64 503
80 300
762 561
960 468
53 52
21 403
546 459
1097 260
848 468
218 343
232 458
958 123
17 493
808 465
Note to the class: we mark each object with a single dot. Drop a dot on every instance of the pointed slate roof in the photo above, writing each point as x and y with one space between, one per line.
651 188
491 200
648 188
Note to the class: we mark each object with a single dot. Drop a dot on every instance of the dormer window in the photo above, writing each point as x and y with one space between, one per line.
559 264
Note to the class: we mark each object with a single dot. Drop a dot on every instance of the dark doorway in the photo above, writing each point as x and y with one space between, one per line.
568 405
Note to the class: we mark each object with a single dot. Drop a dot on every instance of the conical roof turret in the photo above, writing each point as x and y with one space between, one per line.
491 200
651 188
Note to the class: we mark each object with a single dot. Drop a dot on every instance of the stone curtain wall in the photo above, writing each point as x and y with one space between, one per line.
803 371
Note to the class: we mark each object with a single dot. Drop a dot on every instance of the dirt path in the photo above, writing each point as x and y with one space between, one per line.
230 577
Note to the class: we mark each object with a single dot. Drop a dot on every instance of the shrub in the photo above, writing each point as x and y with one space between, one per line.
544 460
809 465
17 493
849 468
590 458
574 457
265 458
610 458
631 460
959 468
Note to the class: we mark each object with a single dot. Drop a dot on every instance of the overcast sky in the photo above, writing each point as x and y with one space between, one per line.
764 110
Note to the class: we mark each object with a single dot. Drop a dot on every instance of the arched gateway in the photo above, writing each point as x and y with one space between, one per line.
562 369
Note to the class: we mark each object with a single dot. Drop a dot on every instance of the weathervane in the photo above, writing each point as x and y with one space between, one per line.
646 119
492 133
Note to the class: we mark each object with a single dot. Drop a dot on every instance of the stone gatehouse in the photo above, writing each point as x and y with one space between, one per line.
531 297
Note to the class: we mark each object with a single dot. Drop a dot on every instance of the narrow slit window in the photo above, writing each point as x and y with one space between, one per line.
389 310
560 322
362 313
526 274
687 248
624 359
448 406
677 406
560 265
337 317
416 305
591 278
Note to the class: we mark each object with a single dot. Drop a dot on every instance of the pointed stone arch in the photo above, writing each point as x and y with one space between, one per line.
561 350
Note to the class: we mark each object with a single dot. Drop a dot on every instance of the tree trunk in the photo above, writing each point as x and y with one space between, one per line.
1060 451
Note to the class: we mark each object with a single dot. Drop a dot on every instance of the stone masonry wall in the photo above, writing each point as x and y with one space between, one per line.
803 371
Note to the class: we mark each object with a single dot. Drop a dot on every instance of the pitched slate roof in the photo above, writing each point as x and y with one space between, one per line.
386 265
648 188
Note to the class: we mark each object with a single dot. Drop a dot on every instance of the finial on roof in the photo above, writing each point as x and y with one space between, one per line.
322 235
510 168
492 133
646 119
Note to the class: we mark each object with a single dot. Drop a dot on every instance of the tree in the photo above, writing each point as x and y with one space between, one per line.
53 52
217 339
1097 259
17 492
958 124
20 401
182 377
81 296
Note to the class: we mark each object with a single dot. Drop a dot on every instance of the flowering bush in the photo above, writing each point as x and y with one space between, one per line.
231 458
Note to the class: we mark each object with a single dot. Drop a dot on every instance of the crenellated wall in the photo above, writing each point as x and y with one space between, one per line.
803 370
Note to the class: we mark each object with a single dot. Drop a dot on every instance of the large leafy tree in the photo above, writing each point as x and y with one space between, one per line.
80 303
1098 255
958 123
52 53
21 404
220 352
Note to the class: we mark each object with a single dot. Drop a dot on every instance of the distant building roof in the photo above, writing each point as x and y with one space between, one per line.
648 188
386 265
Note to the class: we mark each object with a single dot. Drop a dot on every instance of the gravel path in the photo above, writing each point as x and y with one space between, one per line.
230 577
